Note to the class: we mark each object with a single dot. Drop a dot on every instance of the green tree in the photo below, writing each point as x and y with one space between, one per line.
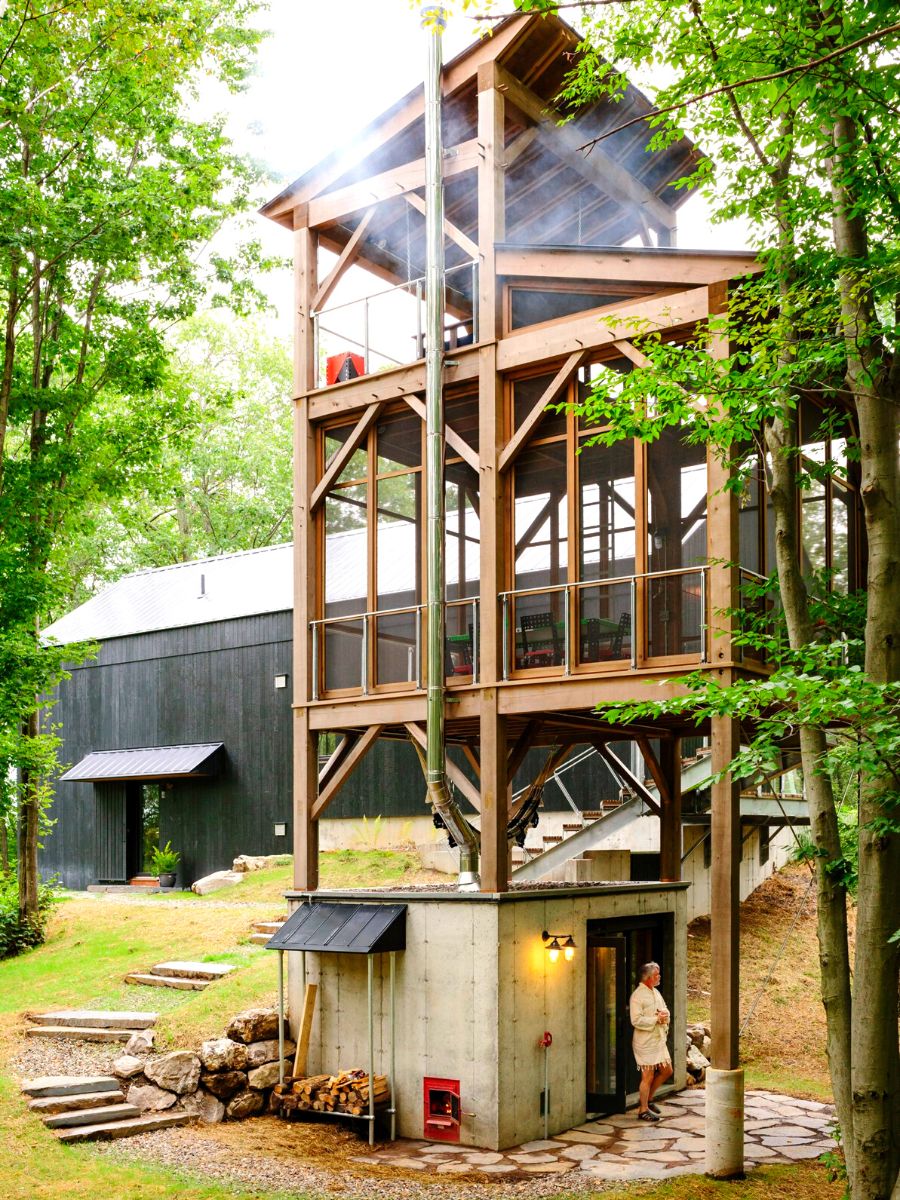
796 106
110 192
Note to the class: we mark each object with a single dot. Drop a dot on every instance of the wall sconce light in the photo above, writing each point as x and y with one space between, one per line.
559 943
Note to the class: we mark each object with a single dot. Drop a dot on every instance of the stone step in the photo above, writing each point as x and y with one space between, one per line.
69 1085
120 1129
86 1017
260 939
48 1105
193 970
169 981
92 1116
268 927
90 1033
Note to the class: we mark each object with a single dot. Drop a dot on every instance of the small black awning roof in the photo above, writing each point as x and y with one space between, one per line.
148 762
343 928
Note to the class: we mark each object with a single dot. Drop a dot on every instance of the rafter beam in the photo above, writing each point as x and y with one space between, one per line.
452 438
451 231
459 780
358 751
536 415
343 456
347 258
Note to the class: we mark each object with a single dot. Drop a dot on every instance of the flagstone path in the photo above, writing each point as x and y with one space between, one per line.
777 1129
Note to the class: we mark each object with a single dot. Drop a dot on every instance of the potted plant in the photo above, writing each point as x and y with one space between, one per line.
165 862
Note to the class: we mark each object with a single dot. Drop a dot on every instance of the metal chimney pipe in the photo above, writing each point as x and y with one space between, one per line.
434 20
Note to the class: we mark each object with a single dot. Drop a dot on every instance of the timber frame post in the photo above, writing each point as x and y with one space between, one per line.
306 740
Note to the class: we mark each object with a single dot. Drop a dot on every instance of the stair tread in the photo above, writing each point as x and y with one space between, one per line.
76 1100
91 1116
102 1018
89 1033
126 1128
260 939
171 981
184 969
67 1085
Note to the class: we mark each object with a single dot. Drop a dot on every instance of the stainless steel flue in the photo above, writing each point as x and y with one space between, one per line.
434 21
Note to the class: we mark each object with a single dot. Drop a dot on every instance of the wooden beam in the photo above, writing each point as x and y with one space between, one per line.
394 384
397 182
602 327
335 758
598 167
520 749
555 758
301 1057
634 264
491 198
335 467
452 438
725 896
519 145
471 759
670 835
459 780
357 753
495 862
622 772
539 409
452 232
659 776
347 258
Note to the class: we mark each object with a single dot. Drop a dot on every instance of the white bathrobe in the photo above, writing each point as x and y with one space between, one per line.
649 1042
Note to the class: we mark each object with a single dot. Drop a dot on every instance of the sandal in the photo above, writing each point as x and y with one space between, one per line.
654 1108
647 1116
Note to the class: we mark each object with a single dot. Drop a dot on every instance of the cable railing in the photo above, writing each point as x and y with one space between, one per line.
383 325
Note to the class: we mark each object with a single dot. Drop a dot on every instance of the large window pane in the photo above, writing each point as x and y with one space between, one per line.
606 501
540 522
341 643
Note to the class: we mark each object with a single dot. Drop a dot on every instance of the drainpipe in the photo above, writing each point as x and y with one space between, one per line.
434 20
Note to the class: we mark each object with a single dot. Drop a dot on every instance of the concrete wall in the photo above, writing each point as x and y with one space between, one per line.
475 992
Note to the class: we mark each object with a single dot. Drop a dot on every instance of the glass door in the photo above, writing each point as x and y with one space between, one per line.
606 1010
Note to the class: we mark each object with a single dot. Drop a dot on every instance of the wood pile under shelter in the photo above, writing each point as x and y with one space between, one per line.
347 1092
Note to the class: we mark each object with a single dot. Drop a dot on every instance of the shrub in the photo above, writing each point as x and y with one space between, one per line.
17 935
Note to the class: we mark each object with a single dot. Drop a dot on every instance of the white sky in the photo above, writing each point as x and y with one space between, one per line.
328 68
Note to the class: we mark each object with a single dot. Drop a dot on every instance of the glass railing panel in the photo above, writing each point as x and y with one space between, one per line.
538 628
675 613
605 621
397 647
341 643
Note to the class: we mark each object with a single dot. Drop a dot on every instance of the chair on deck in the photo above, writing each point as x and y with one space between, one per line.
610 646
541 643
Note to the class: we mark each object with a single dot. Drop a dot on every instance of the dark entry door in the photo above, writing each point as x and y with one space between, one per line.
605 1023
110 824
616 951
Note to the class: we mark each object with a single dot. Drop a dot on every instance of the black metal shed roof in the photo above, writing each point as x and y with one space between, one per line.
343 928
148 762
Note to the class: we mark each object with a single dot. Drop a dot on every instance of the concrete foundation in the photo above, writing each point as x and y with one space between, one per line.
724 1123
475 993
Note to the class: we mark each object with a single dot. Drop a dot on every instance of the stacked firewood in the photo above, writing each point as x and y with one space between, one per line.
347 1092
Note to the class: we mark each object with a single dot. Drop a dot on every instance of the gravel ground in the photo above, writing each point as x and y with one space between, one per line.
34 1057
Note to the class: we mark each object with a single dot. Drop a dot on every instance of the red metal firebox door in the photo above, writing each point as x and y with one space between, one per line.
442 1109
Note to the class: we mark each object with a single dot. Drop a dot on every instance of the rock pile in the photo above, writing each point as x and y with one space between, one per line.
699 1047
229 1078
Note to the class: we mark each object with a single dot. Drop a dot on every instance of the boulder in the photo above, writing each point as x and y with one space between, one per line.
697 1062
225 1083
189 1104
250 862
212 1111
267 1076
254 1025
218 879
706 1048
178 1071
222 1054
244 1104
260 1053
127 1066
140 1043
149 1098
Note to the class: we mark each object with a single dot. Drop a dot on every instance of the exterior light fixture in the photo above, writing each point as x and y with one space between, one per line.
559 943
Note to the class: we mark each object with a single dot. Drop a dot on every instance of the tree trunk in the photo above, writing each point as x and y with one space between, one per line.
831 894
29 820
875 1056
4 848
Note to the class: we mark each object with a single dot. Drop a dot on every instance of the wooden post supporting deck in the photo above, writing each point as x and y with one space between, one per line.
670 815
306 829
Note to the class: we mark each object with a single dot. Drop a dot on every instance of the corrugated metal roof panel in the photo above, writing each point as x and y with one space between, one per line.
148 762
343 928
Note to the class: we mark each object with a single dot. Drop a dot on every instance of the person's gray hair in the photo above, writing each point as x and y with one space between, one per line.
647 970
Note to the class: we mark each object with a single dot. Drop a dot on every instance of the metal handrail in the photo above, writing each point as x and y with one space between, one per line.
397 287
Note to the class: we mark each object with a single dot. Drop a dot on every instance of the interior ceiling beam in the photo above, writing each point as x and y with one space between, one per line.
343 456
580 721
457 777
450 230
396 182
351 761
539 409
600 168
347 257
462 447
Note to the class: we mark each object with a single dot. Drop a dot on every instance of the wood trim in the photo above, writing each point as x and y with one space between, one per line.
597 328
396 182
459 780
346 259
679 268
357 753
450 230
452 438
536 415
346 452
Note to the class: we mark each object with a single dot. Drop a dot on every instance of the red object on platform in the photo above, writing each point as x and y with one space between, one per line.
340 367
441 1109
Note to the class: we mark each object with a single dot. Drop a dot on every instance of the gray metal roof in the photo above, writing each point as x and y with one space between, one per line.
148 762
343 928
